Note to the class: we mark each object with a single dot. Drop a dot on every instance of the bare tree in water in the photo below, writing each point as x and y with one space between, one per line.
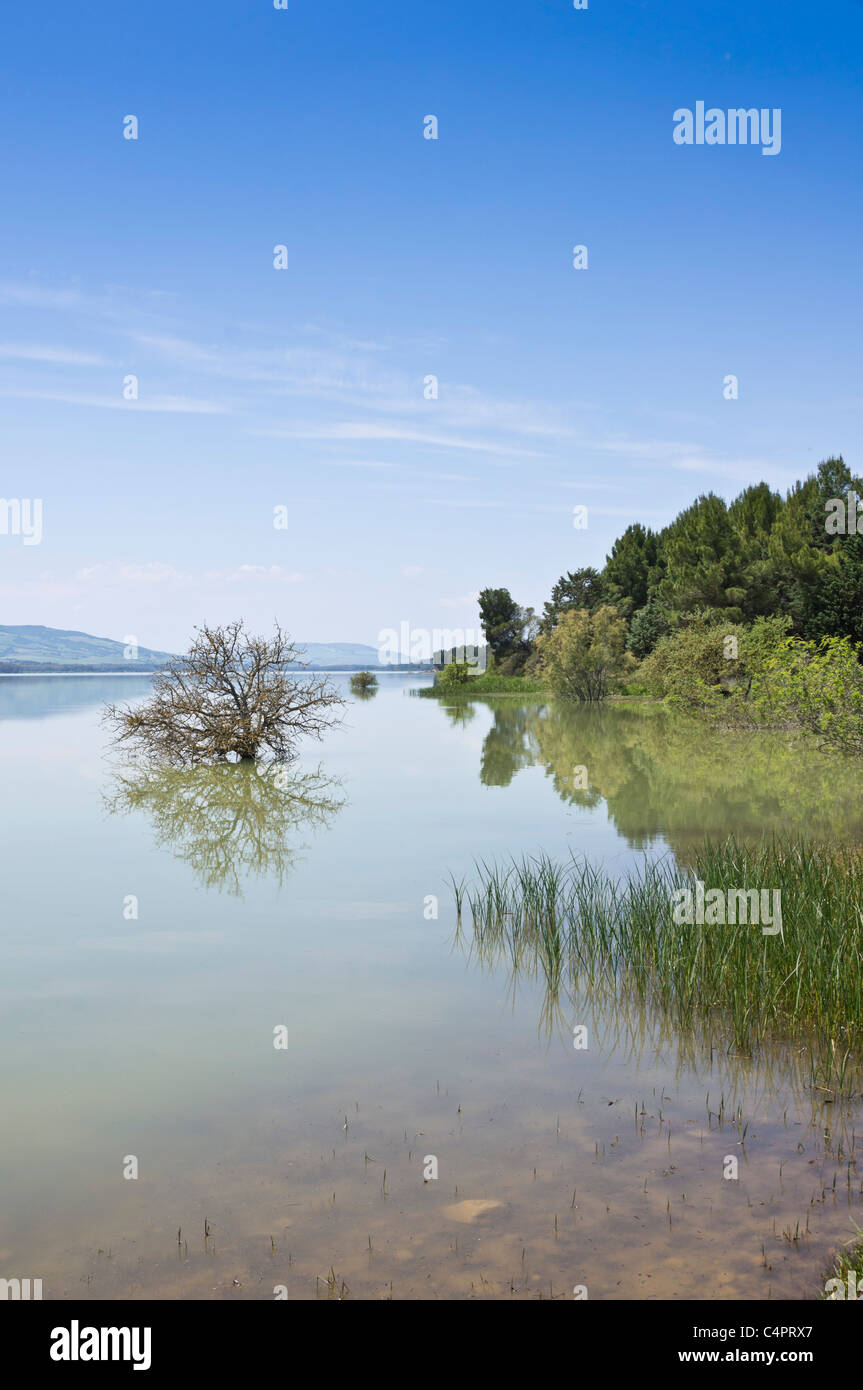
233 698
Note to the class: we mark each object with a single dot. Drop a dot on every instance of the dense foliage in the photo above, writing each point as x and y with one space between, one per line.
753 607
509 630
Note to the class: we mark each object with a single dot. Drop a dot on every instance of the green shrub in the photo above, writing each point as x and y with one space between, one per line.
815 686
700 664
584 657
455 674
364 682
489 683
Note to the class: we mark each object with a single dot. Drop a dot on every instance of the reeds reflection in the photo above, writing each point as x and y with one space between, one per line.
229 822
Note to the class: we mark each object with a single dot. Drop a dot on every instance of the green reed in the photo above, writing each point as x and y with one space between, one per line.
849 1259
582 927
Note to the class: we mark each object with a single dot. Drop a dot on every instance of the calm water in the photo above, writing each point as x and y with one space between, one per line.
306 906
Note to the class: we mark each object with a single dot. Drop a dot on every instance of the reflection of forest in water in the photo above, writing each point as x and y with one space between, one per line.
231 821
665 775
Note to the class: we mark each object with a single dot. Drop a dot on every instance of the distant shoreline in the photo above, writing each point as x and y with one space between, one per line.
154 671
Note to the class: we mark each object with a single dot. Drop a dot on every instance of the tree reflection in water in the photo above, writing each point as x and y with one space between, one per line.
671 781
232 821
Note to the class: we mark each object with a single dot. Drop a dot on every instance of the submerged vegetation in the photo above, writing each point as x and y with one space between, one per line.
582 930
364 684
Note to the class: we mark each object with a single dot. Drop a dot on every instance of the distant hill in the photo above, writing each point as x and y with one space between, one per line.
334 654
31 649
52 646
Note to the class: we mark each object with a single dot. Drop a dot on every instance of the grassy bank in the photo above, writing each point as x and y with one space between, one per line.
583 928
488 684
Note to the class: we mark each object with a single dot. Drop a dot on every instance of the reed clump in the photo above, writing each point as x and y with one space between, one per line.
845 1279
583 928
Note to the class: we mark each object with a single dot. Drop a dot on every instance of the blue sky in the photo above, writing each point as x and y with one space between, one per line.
407 257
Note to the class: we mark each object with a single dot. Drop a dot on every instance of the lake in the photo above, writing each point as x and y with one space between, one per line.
158 939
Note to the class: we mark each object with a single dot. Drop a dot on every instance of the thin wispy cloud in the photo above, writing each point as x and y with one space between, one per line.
61 356
160 405
157 572
364 432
